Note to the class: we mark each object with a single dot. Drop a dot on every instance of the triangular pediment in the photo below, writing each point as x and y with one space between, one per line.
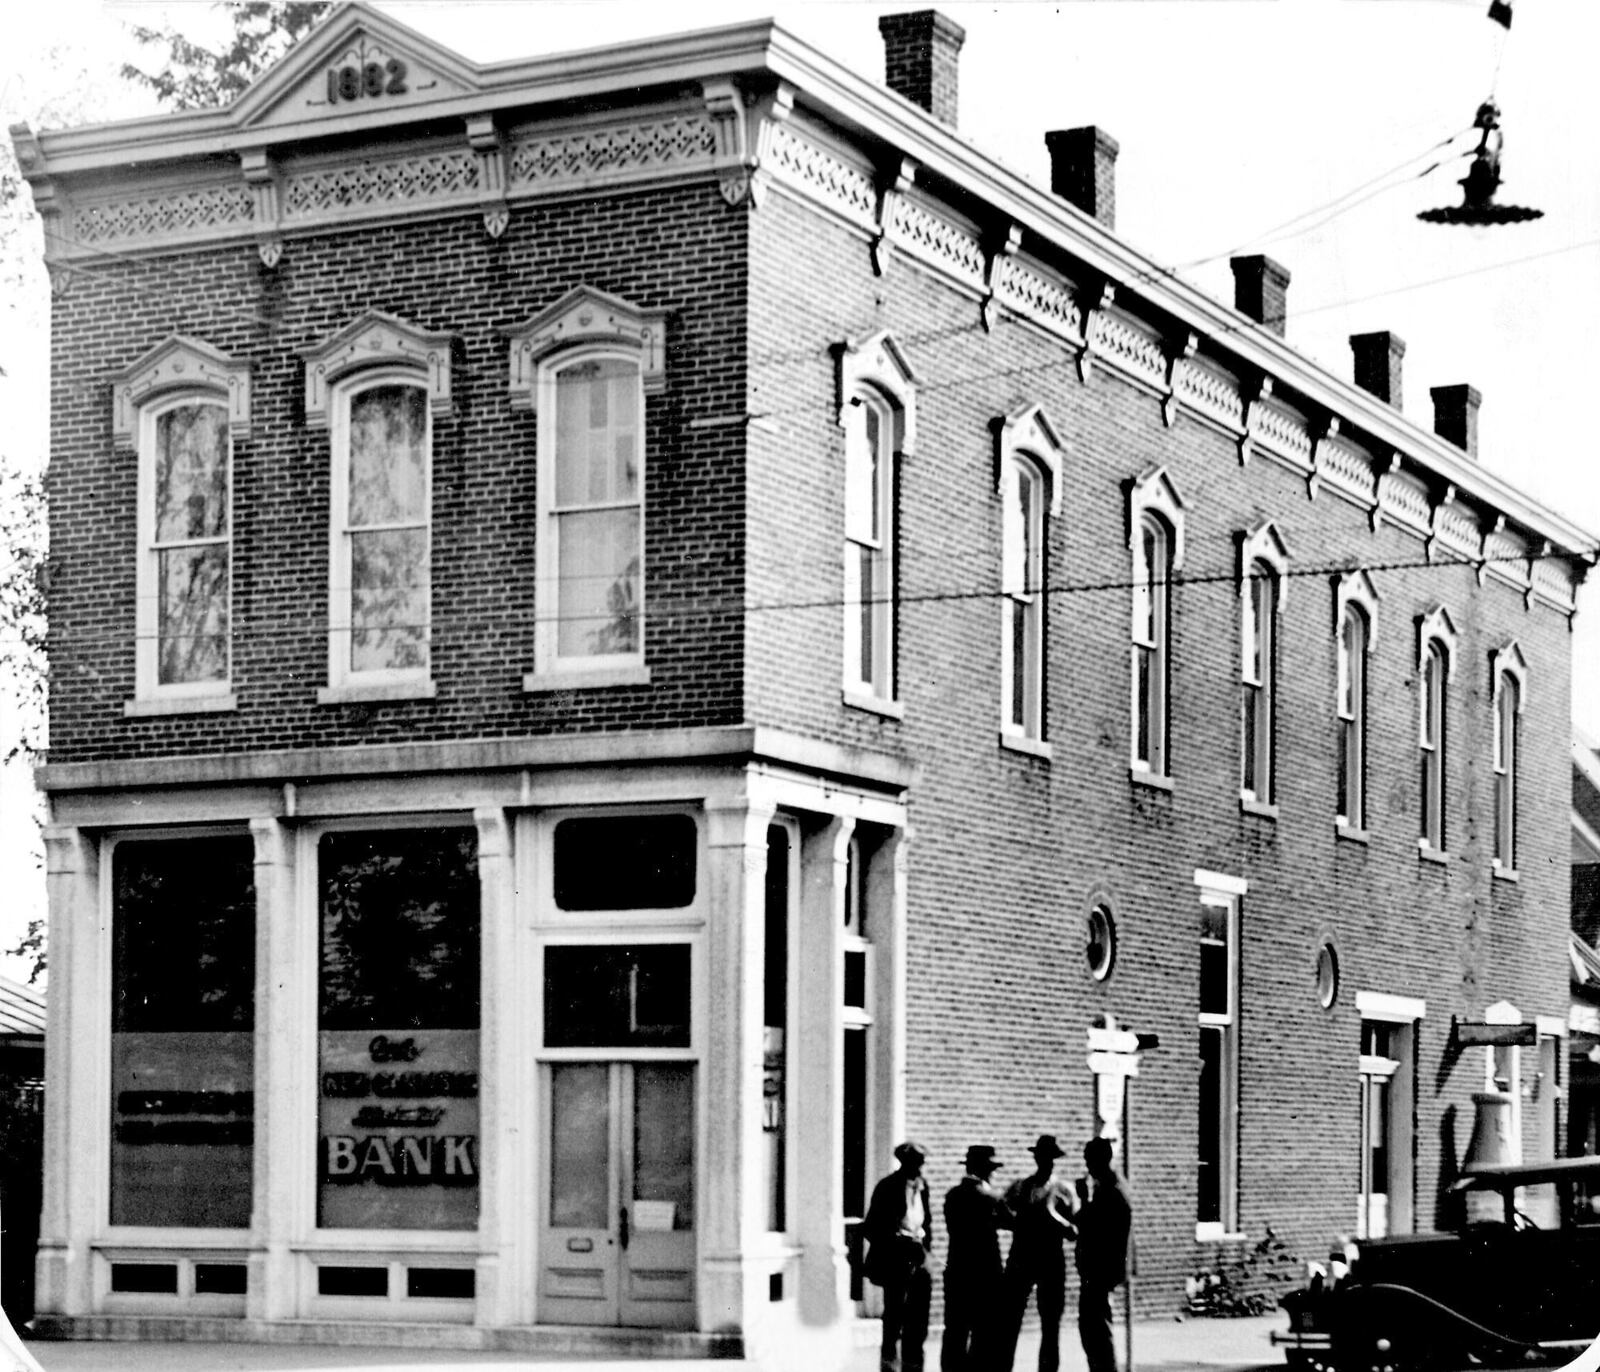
357 67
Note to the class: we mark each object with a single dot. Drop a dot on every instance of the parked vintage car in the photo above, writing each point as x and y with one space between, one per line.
1501 1292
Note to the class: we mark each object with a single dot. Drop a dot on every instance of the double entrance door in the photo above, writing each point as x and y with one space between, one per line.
617 1240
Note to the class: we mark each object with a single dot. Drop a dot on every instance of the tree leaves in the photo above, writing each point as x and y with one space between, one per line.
194 77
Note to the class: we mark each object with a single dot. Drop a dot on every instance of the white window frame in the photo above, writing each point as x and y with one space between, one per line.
343 678
1508 671
874 372
1355 599
1406 1014
590 668
1028 454
857 939
1436 642
1156 507
178 371
1225 893
147 616
1263 562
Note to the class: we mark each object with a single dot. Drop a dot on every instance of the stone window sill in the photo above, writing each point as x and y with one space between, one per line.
1500 873
1216 1233
374 691
590 679
1349 833
877 705
1021 743
1142 776
1249 805
180 705
1430 854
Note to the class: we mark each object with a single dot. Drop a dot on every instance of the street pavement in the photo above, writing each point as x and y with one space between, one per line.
1158 1346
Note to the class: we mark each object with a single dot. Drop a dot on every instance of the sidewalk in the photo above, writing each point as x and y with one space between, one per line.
1170 1345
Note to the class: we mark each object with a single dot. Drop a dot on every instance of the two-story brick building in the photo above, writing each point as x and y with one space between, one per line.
630 628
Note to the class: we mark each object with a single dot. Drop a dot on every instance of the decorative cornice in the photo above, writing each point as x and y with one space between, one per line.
586 316
1356 588
180 364
377 339
1029 433
1436 626
1155 492
879 362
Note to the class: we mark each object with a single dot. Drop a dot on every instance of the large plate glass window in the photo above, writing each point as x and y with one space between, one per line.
183 923
398 1143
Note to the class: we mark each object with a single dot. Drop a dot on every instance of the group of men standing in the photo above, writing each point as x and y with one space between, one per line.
985 1301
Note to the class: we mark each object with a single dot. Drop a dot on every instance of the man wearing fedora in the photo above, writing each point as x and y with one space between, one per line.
1041 1210
974 1214
1105 1221
899 1231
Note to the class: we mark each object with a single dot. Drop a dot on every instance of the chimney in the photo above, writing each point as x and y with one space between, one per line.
1261 290
1377 358
1455 416
921 52
1083 170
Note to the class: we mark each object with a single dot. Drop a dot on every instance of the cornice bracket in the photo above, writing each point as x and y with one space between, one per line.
262 177
1094 300
1432 544
1324 429
1492 529
742 127
999 249
894 180
484 139
1179 348
1254 390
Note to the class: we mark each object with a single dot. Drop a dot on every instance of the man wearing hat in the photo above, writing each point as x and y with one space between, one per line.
899 1231
1041 1210
974 1214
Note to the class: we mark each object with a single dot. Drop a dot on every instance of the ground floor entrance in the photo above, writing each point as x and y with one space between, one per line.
617 1243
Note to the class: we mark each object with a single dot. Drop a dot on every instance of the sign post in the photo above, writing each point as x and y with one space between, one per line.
1114 1062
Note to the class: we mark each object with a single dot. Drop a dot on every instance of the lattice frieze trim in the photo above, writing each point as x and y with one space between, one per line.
948 247
818 173
1505 557
174 214
1210 393
575 155
1404 500
1121 344
1347 470
1553 583
1283 434
180 364
377 339
414 178
1035 296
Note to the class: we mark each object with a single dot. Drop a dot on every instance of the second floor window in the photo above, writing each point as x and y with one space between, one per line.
185 578
1431 743
1509 693
1259 669
869 627
1023 628
1152 588
1352 711
594 580
381 599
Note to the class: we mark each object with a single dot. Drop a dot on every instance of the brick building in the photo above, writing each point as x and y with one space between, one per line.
631 628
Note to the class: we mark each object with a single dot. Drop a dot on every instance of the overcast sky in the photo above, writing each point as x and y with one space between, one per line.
1234 116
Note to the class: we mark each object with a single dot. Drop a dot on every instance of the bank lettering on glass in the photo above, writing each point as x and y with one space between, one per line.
412 1105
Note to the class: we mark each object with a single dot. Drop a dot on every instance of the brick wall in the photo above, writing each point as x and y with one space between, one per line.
1008 852
681 251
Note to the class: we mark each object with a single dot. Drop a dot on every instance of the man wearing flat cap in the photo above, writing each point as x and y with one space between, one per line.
1041 1209
974 1214
899 1233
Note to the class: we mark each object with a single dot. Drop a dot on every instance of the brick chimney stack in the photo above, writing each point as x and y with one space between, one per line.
921 59
1083 170
1455 416
1377 358
1261 290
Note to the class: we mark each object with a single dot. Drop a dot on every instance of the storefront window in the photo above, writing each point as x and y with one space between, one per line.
625 862
182 1021
616 996
398 1020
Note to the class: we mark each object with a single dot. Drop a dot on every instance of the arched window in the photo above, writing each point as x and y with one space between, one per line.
1028 462
1356 613
1155 539
1263 565
585 365
378 385
1434 663
877 411
182 405
1509 673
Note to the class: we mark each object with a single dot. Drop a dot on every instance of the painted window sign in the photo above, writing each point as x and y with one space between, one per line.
352 82
398 1020
182 1021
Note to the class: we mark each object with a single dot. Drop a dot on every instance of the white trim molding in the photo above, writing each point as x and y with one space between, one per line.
586 316
1356 588
1380 1005
1220 881
1264 544
1437 626
377 339
1155 492
1507 660
881 363
180 363
1029 433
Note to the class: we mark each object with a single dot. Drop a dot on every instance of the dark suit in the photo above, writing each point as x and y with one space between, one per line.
974 1214
1037 1263
898 1262
1104 1222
